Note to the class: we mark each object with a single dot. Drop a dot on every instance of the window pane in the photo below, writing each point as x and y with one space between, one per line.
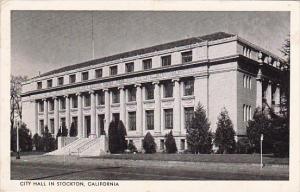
114 70
41 106
188 116
132 94
129 67
101 99
115 96
98 73
74 102
85 76
150 91
132 121
49 83
166 60
39 85
87 100
189 87
147 64
150 120
60 80
168 118
62 103
168 89
72 78
186 56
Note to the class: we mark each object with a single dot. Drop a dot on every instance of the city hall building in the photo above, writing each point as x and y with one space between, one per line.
155 89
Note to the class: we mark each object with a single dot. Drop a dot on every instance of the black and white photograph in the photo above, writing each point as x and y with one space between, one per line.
102 96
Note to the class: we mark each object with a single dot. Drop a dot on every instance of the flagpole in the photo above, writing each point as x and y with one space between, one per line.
261 150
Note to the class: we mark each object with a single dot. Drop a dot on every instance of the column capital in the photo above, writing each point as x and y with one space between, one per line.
121 87
78 93
54 97
44 99
66 96
138 85
105 89
91 91
155 82
175 80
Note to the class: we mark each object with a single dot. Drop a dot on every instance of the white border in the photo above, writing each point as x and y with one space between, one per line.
291 185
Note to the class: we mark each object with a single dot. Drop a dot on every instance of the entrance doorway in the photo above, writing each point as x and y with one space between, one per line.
87 123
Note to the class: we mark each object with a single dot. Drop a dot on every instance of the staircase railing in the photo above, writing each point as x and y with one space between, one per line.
87 146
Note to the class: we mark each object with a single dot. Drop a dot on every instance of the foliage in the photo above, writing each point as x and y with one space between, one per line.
243 146
116 137
224 136
37 142
62 131
199 136
131 147
25 139
149 144
73 130
15 98
48 142
170 143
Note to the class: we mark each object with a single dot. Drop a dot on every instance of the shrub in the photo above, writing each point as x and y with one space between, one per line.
131 147
224 136
116 139
37 142
243 146
48 142
25 139
149 144
170 143
199 137
73 130
62 131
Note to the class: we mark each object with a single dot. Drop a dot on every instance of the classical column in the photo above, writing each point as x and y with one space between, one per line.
67 113
93 114
269 94
45 113
107 110
277 98
122 104
79 118
36 117
157 110
177 104
56 116
139 110
259 89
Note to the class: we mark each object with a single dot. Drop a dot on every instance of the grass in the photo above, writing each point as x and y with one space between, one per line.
14 154
218 158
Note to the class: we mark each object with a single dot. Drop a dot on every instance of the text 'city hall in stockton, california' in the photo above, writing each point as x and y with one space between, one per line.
155 89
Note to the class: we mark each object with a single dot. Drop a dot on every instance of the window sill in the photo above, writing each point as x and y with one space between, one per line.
149 101
115 104
100 106
188 97
131 103
62 110
168 99
89 107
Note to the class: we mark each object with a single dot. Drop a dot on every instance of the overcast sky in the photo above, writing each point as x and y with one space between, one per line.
46 40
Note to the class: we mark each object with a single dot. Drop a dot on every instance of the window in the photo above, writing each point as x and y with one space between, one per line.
147 64
188 116
247 81
42 128
101 124
51 105
150 120
131 121
39 85
75 124
149 91
101 98
162 144
41 106
132 94
87 100
168 118
187 56
98 73
62 103
129 67
168 89
60 81
116 96
247 113
51 126
49 83
74 102
85 76
189 87
63 122
166 60
72 78
114 70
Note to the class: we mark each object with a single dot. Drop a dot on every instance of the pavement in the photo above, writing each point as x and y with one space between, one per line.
74 168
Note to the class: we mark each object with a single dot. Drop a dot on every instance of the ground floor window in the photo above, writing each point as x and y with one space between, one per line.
131 121
162 144
188 116
41 126
150 119
182 144
101 124
51 130
168 118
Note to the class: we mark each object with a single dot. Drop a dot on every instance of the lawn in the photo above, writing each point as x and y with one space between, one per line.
14 154
220 158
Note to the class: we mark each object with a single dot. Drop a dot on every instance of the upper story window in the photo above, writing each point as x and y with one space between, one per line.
39 85
115 96
51 105
41 106
147 64
62 103
132 94
168 118
101 98
85 76
72 78
129 67
189 87
87 100
168 89
187 56
150 119
247 81
98 73
132 121
113 70
166 60
149 91
74 102
49 83
60 80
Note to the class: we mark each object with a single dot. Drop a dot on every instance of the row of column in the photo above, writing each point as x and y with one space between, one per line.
122 108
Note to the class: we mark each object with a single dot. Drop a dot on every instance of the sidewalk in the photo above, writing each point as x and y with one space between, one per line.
73 161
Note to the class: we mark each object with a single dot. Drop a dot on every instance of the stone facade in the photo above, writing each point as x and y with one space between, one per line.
220 71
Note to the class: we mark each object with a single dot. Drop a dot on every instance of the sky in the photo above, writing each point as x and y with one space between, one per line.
46 40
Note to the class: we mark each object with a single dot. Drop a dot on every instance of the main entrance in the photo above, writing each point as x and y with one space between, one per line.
87 126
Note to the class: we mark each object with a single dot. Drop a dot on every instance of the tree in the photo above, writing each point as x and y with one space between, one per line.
260 124
199 136
48 142
62 131
37 142
25 138
116 137
224 137
170 143
15 99
149 144
121 136
73 130
131 147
